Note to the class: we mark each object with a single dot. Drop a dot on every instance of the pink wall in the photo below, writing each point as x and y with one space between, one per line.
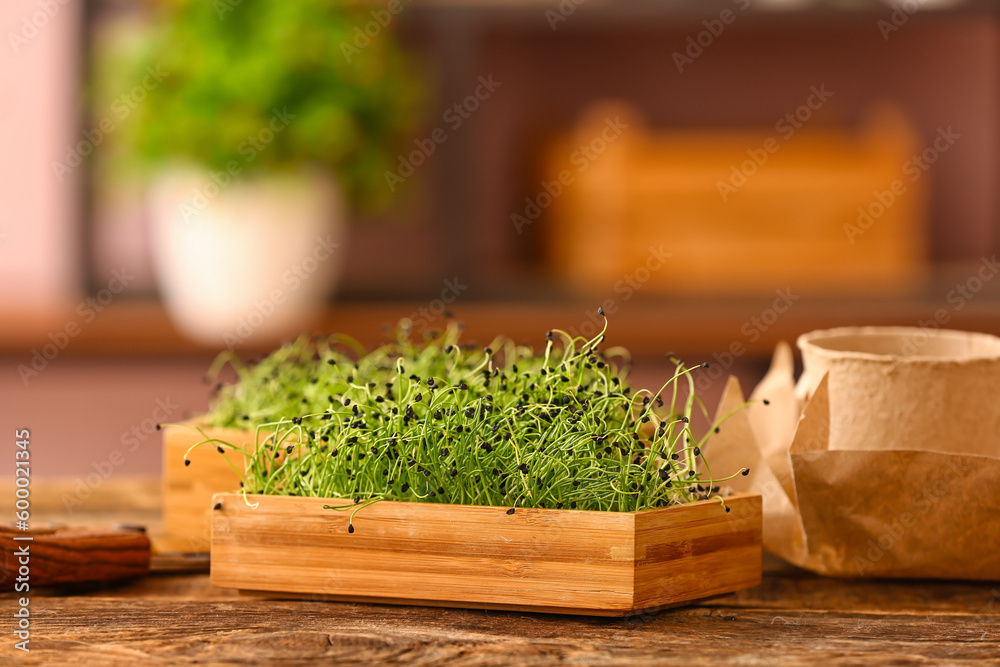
39 228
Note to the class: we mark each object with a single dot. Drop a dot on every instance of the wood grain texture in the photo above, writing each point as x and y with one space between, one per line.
100 631
72 555
607 563
792 618
702 548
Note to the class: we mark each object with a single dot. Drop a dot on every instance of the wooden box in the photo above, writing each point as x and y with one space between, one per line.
188 490
559 561
826 210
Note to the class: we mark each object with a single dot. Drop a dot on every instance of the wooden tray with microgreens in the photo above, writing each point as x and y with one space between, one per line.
450 474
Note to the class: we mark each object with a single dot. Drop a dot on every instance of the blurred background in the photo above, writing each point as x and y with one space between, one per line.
179 178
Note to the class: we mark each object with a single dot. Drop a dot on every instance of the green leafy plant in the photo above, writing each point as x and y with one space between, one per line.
227 73
444 422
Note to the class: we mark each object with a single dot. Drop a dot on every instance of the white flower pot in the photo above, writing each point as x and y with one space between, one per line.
245 258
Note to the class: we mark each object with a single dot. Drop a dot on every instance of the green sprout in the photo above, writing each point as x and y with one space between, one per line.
444 422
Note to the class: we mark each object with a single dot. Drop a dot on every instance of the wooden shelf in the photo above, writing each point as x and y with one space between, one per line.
697 8
699 327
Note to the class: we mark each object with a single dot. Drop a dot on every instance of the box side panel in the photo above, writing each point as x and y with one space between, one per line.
698 550
188 490
420 551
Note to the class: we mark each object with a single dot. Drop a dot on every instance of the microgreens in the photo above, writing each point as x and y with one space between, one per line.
444 422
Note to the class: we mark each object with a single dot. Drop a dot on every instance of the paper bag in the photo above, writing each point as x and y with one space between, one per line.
861 473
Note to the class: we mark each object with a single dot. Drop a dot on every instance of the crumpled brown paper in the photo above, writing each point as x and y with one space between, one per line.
882 509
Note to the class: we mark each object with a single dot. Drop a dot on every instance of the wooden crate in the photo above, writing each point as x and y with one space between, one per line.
560 561
793 222
188 490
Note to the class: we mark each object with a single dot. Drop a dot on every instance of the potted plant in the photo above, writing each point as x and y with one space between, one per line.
259 132
466 476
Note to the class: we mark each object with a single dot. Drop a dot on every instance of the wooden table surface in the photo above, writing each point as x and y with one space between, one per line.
792 618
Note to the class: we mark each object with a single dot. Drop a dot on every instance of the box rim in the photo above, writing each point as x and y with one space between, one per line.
698 503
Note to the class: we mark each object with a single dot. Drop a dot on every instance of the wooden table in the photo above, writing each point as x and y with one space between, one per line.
792 618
